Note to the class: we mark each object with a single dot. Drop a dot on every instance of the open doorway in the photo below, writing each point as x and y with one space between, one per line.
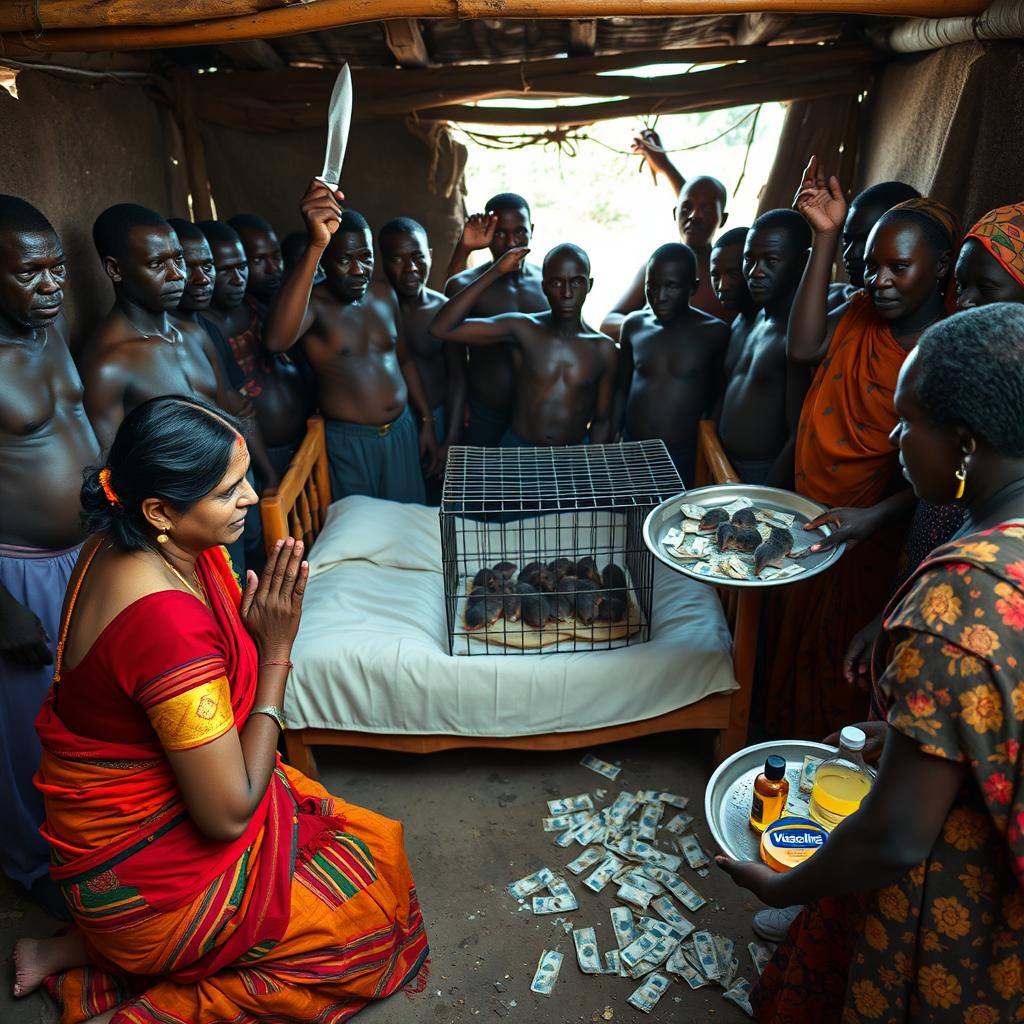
592 191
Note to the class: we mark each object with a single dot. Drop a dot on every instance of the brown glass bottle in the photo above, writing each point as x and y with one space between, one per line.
771 790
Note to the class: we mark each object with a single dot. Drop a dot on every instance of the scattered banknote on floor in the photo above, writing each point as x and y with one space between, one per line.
585 940
588 858
678 824
571 804
612 962
683 891
650 818
730 973
739 995
660 796
554 904
667 909
548 966
561 822
633 876
595 764
531 883
559 888
603 874
760 954
678 965
704 944
625 929
633 896
723 949
646 997
693 852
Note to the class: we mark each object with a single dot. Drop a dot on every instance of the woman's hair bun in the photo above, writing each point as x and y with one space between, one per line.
174 448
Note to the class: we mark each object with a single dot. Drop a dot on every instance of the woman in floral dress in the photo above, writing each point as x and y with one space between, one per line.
915 905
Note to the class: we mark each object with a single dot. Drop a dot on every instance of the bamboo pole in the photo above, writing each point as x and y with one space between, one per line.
131 24
192 142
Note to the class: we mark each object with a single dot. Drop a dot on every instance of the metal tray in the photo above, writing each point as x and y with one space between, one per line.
727 798
667 515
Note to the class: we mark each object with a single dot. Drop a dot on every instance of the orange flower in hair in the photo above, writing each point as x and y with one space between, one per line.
107 489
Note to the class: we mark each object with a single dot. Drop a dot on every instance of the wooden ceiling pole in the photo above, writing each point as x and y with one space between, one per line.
582 37
142 24
406 43
192 142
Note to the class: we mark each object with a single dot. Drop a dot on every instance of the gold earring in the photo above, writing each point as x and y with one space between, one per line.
161 537
961 476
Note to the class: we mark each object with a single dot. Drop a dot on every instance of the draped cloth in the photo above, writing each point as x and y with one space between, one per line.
843 458
307 916
1001 232
944 942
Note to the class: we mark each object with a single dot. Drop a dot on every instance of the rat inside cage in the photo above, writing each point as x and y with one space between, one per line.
542 548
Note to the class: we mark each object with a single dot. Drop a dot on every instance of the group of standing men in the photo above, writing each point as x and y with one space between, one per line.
503 357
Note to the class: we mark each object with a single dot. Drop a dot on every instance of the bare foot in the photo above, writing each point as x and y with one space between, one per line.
37 959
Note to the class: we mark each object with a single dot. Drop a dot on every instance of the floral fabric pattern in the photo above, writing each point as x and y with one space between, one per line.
945 943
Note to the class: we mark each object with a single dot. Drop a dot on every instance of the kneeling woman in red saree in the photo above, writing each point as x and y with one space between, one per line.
208 881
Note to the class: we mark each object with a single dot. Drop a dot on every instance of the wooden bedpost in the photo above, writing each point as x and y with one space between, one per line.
300 757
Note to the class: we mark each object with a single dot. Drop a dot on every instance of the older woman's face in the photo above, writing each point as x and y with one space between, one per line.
219 518
929 455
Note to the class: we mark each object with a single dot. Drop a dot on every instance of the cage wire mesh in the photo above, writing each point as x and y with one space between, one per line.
542 548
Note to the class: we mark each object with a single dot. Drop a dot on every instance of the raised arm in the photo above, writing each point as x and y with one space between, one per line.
450 323
649 145
822 205
629 302
289 316
224 782
601 424
477 233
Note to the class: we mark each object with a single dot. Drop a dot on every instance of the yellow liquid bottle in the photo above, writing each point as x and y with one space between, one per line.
841 782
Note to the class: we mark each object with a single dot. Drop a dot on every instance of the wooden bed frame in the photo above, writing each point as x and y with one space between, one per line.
298 508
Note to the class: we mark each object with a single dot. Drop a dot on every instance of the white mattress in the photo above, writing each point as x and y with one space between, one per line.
372 650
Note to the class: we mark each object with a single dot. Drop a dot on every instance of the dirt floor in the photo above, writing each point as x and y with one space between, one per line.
473 825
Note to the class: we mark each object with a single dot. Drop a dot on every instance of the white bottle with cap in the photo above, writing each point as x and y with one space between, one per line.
842 781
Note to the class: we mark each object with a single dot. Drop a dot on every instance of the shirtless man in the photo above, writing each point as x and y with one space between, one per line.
405 251
490 372
670 370
46 441
351 333
763 391
699 213
564 369
731 290
262 254
273 384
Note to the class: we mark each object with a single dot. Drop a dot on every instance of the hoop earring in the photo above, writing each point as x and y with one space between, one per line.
961 476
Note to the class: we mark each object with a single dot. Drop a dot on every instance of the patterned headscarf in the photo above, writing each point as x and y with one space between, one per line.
1001 231
950 223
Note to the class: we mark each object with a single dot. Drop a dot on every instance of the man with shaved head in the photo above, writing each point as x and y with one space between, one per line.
564 369
670 367
46 441
136 351
764 392
352 333
262 255
699 213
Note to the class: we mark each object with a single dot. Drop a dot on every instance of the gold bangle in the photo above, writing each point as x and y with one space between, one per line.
271 712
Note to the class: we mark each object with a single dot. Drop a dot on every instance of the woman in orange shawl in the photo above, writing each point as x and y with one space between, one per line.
843 457
208 881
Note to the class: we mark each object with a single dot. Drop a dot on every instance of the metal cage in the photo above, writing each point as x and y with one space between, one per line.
536 505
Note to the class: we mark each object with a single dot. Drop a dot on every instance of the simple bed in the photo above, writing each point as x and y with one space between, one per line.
372 667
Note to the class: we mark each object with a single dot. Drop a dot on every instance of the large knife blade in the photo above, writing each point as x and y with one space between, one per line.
339 119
